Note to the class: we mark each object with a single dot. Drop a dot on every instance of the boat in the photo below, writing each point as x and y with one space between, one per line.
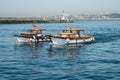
71 36
32 35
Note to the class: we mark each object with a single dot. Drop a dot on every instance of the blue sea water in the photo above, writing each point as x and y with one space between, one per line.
97 61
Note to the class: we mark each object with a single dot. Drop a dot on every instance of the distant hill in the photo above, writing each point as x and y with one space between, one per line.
113 15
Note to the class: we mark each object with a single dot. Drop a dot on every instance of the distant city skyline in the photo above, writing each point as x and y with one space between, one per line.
38 8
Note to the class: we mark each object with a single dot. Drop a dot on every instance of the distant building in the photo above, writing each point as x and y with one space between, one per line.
65 16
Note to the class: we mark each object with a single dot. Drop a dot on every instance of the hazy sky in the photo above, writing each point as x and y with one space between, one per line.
36 8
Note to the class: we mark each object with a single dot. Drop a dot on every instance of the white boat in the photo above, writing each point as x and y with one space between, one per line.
32 35
71 36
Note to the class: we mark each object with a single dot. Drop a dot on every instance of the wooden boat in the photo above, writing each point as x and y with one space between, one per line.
71 36
32 35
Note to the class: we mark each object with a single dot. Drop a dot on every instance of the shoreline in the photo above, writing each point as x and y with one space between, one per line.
43 21
33 21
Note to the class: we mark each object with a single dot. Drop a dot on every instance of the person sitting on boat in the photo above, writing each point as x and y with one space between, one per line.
39 36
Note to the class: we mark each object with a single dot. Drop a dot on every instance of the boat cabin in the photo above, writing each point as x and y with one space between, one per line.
71 33
75 31
35 30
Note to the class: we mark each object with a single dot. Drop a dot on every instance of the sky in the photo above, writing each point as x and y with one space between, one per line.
38 8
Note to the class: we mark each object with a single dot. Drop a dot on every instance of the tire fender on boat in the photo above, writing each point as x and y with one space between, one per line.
67 40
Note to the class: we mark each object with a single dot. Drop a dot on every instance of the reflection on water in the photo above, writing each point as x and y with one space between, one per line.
29 55
42 57
39 56
36 49
30 50
67 51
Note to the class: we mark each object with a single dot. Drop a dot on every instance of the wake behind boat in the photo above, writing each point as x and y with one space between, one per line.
71 36
32 35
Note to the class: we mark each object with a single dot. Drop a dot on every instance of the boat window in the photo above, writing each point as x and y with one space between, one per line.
40 32
82 33
69 31
63 31
75 32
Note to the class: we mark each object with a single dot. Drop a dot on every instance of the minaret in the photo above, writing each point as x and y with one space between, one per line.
63 17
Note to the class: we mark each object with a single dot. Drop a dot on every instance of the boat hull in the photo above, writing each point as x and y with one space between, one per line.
60 41
24 40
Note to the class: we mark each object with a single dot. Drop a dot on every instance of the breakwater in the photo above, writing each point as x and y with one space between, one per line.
31 20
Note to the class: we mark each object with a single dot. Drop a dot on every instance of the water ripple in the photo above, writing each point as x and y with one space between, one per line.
97 61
